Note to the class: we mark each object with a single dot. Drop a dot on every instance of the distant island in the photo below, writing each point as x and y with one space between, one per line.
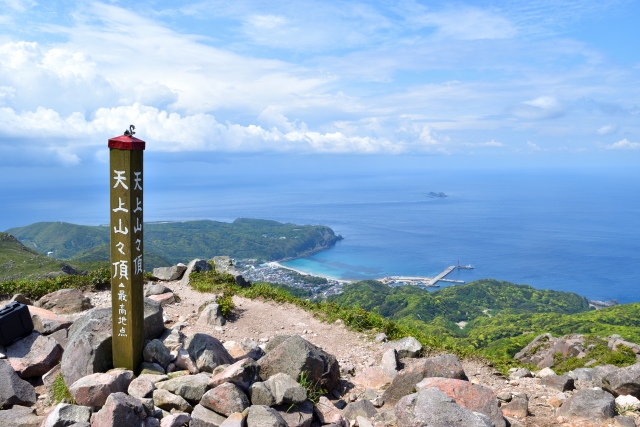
434 194
166 243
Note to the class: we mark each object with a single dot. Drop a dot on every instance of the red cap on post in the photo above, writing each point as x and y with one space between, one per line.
127 141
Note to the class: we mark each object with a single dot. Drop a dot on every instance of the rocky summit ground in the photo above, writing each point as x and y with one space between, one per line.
204 370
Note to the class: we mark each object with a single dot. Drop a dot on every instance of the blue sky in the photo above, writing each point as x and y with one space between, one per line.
531 82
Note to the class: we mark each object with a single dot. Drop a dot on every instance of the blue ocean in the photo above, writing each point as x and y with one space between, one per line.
574 230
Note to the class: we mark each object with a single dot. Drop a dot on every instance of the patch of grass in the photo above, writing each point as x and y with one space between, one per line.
226 304
622 356
313 390
60 391
35 289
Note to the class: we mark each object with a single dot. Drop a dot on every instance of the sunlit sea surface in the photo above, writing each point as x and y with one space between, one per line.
574 231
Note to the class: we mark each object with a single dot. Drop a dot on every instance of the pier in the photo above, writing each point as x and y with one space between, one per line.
421 280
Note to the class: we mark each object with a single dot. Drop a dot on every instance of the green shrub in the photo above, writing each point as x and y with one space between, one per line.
60 391
313 390
226 304
35 289
622 356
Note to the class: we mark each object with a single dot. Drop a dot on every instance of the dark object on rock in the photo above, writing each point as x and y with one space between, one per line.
589 403
64 301
296 355
13 389
15 323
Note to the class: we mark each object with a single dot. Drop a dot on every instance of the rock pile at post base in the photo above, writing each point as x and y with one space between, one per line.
198 381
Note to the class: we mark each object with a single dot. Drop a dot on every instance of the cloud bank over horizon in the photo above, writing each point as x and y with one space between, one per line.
359 78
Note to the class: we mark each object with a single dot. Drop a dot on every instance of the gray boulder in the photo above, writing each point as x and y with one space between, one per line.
224 265
475 397
13 389
263 416
225 399
94 389
141 388
243 373
65 301
431 407
34 355
21 299
363 408
623 381
589 403
404 383
65 415
207 352
285 389
558 382
166 400
601 371
406 347
170 273
155 289
296 355
211 316
194 266
157 352
47 322
582 374
120 410
203 417
261 395
300 415
176 419
20 416
190 387
247 348
89 347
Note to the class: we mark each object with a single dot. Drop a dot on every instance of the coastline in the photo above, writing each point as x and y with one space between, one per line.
276 264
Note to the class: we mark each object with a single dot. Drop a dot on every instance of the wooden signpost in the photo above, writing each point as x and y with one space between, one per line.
127 298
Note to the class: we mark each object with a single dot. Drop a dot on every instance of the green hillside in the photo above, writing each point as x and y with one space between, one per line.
457 303
18 261
175 242
501 317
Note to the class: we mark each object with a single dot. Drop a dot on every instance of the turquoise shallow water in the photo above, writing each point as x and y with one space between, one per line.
576 230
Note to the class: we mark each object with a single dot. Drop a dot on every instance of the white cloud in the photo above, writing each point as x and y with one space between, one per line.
544 107
466 24
533 146
607 130
491 143
172 132
18 5
624 144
